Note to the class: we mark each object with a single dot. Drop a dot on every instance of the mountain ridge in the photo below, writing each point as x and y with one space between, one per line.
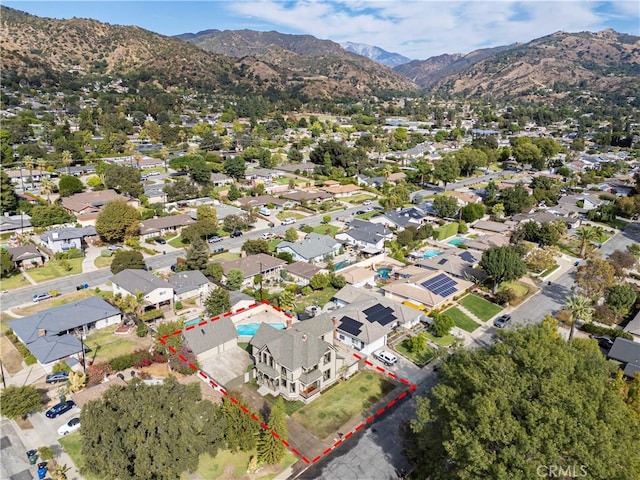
377 54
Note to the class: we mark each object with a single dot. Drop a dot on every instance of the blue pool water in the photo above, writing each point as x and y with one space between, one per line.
431 253
457 241
195 321
383 272
250 329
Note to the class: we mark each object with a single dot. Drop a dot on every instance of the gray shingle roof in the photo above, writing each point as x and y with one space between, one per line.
299 346
313 246
172 221
211 335
253 264
186 281
68 233
138 280
625 351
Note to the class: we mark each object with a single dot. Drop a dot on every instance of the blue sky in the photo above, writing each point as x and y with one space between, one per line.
416 29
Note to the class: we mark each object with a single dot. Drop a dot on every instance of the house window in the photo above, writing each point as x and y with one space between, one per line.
293 387
284 383
283 372
327 357
341 336
326 375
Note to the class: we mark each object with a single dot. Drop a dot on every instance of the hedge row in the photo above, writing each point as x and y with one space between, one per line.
610 332
138 359
24 351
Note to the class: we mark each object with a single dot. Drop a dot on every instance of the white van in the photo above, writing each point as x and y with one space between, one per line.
264 211
385 357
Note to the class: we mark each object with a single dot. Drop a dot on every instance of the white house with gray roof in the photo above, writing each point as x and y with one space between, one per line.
212 338
157 292
53 335
64 239
299 362
314 248
189 284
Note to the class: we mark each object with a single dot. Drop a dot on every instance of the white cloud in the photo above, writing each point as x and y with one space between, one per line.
420 29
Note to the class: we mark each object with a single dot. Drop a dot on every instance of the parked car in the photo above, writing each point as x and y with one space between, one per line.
366 203
114 247
289 221
236 233
40 296
215 239
360 212
264 211
502 321
57 377
603 341
160 240
267 236
385 357
60 408
69 427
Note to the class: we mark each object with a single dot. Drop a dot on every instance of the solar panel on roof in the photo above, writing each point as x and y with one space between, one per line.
443 261
373 310
441 285
379 313
467 257
351 326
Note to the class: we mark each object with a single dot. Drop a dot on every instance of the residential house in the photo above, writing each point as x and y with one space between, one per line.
359 276
364 325
223 210
53 335
189 284
591 202
157 293
493 227
263 201
429 290
161 226
240 300
309 196
298 168
487 241
260 264
211 339
220 179
15 223
351 294
633 327
64 239
263 174
155 193
299 362
368 237
464 198
342 191
457 263
86 206
27 256
544 217
301 272
627 352
314 248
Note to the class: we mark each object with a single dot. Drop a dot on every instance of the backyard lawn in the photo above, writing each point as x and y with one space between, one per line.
481 308
461 320
419 358
317 297
54 269
233 465
16 280
105 345
343 402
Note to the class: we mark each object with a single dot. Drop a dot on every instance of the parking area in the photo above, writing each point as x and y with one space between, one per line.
403 368
226 366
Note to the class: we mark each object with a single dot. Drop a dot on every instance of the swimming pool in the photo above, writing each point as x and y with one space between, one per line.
250 329
431 253
195 321
383 272
457 241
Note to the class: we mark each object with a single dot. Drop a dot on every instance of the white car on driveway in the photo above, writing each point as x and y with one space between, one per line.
70 427
289 221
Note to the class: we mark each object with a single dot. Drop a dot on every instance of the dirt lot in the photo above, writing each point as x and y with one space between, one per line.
11 358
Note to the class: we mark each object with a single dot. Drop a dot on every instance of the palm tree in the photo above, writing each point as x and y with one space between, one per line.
29 162
67 159
586 234
580 308
42 163
47 187
164 154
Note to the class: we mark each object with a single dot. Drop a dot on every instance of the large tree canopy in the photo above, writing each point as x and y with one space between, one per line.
149 432
502 264
117 220
529 402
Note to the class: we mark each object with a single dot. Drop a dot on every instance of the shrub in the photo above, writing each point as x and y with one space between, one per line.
60 367
306 291
151 315
142 330
46 453
505 296
610 332
441 325
106 253
178 305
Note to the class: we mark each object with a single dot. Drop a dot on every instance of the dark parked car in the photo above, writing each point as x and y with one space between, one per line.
502 321
160 240
60 408
57 377
236 233
603 341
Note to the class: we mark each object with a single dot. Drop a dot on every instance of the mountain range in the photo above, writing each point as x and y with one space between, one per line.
376 54
56 52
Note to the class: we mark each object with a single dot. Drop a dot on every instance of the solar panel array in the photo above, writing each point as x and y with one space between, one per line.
351 326
441 285
379 313
467 257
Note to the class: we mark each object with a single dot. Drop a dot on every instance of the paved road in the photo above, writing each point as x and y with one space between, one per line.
552 297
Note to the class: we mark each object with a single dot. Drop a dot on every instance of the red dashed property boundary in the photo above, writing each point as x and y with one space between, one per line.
216 386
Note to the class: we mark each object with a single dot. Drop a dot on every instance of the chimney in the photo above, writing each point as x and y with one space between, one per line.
304 337
42 332
335 321
55 235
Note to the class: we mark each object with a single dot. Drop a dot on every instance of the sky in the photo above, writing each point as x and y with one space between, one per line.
415 29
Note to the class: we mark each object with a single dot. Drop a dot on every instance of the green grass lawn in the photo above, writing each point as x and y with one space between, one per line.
419 358
550 270
53 269
4 318
319 297
105 345
176 242
461 320
72 444
368 215
522 291
343 402
103 262
54 302
445 341
16 280
235 463
326 229
358 199
224 256
481 308
290 407
273 244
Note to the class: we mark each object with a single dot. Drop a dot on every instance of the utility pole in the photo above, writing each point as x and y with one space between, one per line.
260 273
